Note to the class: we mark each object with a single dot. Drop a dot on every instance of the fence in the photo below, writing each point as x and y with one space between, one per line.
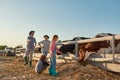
111 38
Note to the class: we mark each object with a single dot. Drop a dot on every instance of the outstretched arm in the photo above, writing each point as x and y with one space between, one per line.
58 51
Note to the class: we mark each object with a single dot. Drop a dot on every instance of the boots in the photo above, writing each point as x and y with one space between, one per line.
30 63
53 72
25 61
50 71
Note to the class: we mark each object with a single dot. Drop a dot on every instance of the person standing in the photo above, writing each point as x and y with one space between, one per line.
53 49
31 43
45 44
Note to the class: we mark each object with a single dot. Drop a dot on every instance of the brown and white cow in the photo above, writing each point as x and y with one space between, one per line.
95 46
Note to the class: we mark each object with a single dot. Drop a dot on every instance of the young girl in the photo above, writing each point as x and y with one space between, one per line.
53 49
41 64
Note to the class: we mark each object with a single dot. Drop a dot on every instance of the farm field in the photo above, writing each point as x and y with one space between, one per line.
12 68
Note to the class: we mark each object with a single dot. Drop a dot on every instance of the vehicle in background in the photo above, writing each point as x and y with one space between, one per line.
2 52
37 49
9 52
20 50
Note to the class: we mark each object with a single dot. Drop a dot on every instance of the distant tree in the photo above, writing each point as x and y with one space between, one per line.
2 47
19 46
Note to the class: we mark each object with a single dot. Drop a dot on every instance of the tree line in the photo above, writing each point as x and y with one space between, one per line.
2 47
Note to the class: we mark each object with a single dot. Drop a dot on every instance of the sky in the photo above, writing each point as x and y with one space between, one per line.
66 18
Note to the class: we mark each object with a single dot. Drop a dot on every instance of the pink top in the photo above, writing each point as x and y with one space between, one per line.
53 47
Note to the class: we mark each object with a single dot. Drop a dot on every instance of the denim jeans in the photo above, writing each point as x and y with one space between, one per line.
44 53
29 54
53 60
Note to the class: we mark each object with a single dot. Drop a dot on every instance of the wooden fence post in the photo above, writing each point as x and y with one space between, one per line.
76 49
113 47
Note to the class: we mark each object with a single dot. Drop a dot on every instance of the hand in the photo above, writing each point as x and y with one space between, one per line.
61 53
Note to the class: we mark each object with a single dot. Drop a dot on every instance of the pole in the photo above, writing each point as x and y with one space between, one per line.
76 49
113 47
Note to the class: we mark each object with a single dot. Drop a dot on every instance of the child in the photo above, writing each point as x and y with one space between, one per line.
45 45
41 64
53 49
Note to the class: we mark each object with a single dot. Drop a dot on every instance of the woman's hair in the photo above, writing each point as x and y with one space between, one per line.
42 57
31 32
54 37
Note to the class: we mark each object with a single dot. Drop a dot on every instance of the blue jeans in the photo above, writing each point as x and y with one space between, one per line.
29 54
53 61
44 52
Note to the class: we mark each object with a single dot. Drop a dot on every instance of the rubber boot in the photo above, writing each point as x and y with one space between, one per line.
25 61
50 71
30 63
54 73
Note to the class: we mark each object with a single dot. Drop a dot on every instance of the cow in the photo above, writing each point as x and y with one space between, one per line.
91 47
70 47
95 46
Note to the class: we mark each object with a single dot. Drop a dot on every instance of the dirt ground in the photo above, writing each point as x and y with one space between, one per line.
12 68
